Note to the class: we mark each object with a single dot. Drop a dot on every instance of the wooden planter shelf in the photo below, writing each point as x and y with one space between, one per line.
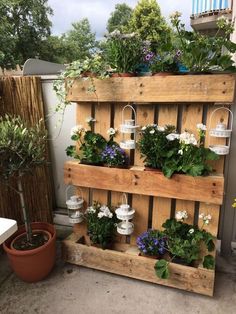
125 260
180 100
137 181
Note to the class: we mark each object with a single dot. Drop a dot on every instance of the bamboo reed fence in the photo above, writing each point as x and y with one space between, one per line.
23 96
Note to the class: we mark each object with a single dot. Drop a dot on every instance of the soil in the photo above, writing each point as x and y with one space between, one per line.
38 239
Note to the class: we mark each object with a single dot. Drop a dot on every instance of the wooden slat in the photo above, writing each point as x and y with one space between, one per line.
180 88
135 180
145 115
192 279
167 114
102 124
191 115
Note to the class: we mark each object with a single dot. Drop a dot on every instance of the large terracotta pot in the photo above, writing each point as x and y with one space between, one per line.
123 74
33 265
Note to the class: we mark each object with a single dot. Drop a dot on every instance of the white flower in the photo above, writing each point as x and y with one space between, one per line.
201 126
100 215
191 230
103 208
188 138
90 119
181 215
180 152
206 222
206 218
201 215
76 129
90 210
105 212
161 128
111 131
143 128
152 131
172 136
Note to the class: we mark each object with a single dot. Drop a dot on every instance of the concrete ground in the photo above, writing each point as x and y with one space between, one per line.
70 289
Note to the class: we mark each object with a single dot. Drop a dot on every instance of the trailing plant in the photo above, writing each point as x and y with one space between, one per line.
202 53
152 242
22 149
90 144
186 242
164 149
101 224
123 52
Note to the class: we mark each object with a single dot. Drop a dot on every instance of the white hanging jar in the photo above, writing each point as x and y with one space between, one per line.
125 213
127 128
74 205
221 131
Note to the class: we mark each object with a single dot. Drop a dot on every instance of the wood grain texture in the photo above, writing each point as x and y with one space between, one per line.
180 88
198 280
161 211
136 180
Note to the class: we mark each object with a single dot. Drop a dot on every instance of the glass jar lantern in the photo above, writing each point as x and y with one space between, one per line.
125 213
221 131
128 127
74 205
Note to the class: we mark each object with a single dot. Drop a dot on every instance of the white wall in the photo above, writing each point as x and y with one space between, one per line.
58 139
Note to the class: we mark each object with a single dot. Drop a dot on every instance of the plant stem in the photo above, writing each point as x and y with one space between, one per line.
28 228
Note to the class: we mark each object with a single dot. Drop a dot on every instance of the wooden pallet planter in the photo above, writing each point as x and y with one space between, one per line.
125 260
161 100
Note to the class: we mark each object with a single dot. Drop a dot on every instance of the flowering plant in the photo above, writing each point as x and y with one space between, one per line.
123 51
185 241
152 242
166 61
204 52
101 223
113 155
90 144
163 148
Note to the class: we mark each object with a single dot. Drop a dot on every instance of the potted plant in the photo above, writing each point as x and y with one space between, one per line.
152 243
113 155
31 250
101 224
90 145
186 244
162 148
123 53
204 53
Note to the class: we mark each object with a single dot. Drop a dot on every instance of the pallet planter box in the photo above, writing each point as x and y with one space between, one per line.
180 100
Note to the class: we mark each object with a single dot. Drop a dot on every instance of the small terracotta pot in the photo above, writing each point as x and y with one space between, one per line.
123 74
33 265
88 74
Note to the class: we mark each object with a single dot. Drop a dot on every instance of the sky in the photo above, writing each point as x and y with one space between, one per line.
98 12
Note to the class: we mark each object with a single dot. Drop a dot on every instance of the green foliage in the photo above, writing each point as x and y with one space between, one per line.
79 42
23 28
101 223
203 52
161 269
90 145
123 51
187 243
209 262
148 23
163 148
22 148
119 18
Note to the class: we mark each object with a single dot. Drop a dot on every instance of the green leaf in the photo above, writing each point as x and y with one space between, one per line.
209 262
161 269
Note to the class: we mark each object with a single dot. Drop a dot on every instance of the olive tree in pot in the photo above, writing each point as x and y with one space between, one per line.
32 249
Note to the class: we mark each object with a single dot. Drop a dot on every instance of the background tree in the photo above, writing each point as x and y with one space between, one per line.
119 18
25 25
148 22
79 42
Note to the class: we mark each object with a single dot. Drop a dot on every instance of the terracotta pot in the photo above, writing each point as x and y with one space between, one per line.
151 169
47 233
123 74
150 256
33 265
88 74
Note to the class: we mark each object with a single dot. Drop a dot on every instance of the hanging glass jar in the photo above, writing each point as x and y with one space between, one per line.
128 129
125 213
74 205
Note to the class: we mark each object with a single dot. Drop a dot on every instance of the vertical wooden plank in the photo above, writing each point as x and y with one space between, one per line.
218 166
162 206
83 111
145 115
102 124
192 114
